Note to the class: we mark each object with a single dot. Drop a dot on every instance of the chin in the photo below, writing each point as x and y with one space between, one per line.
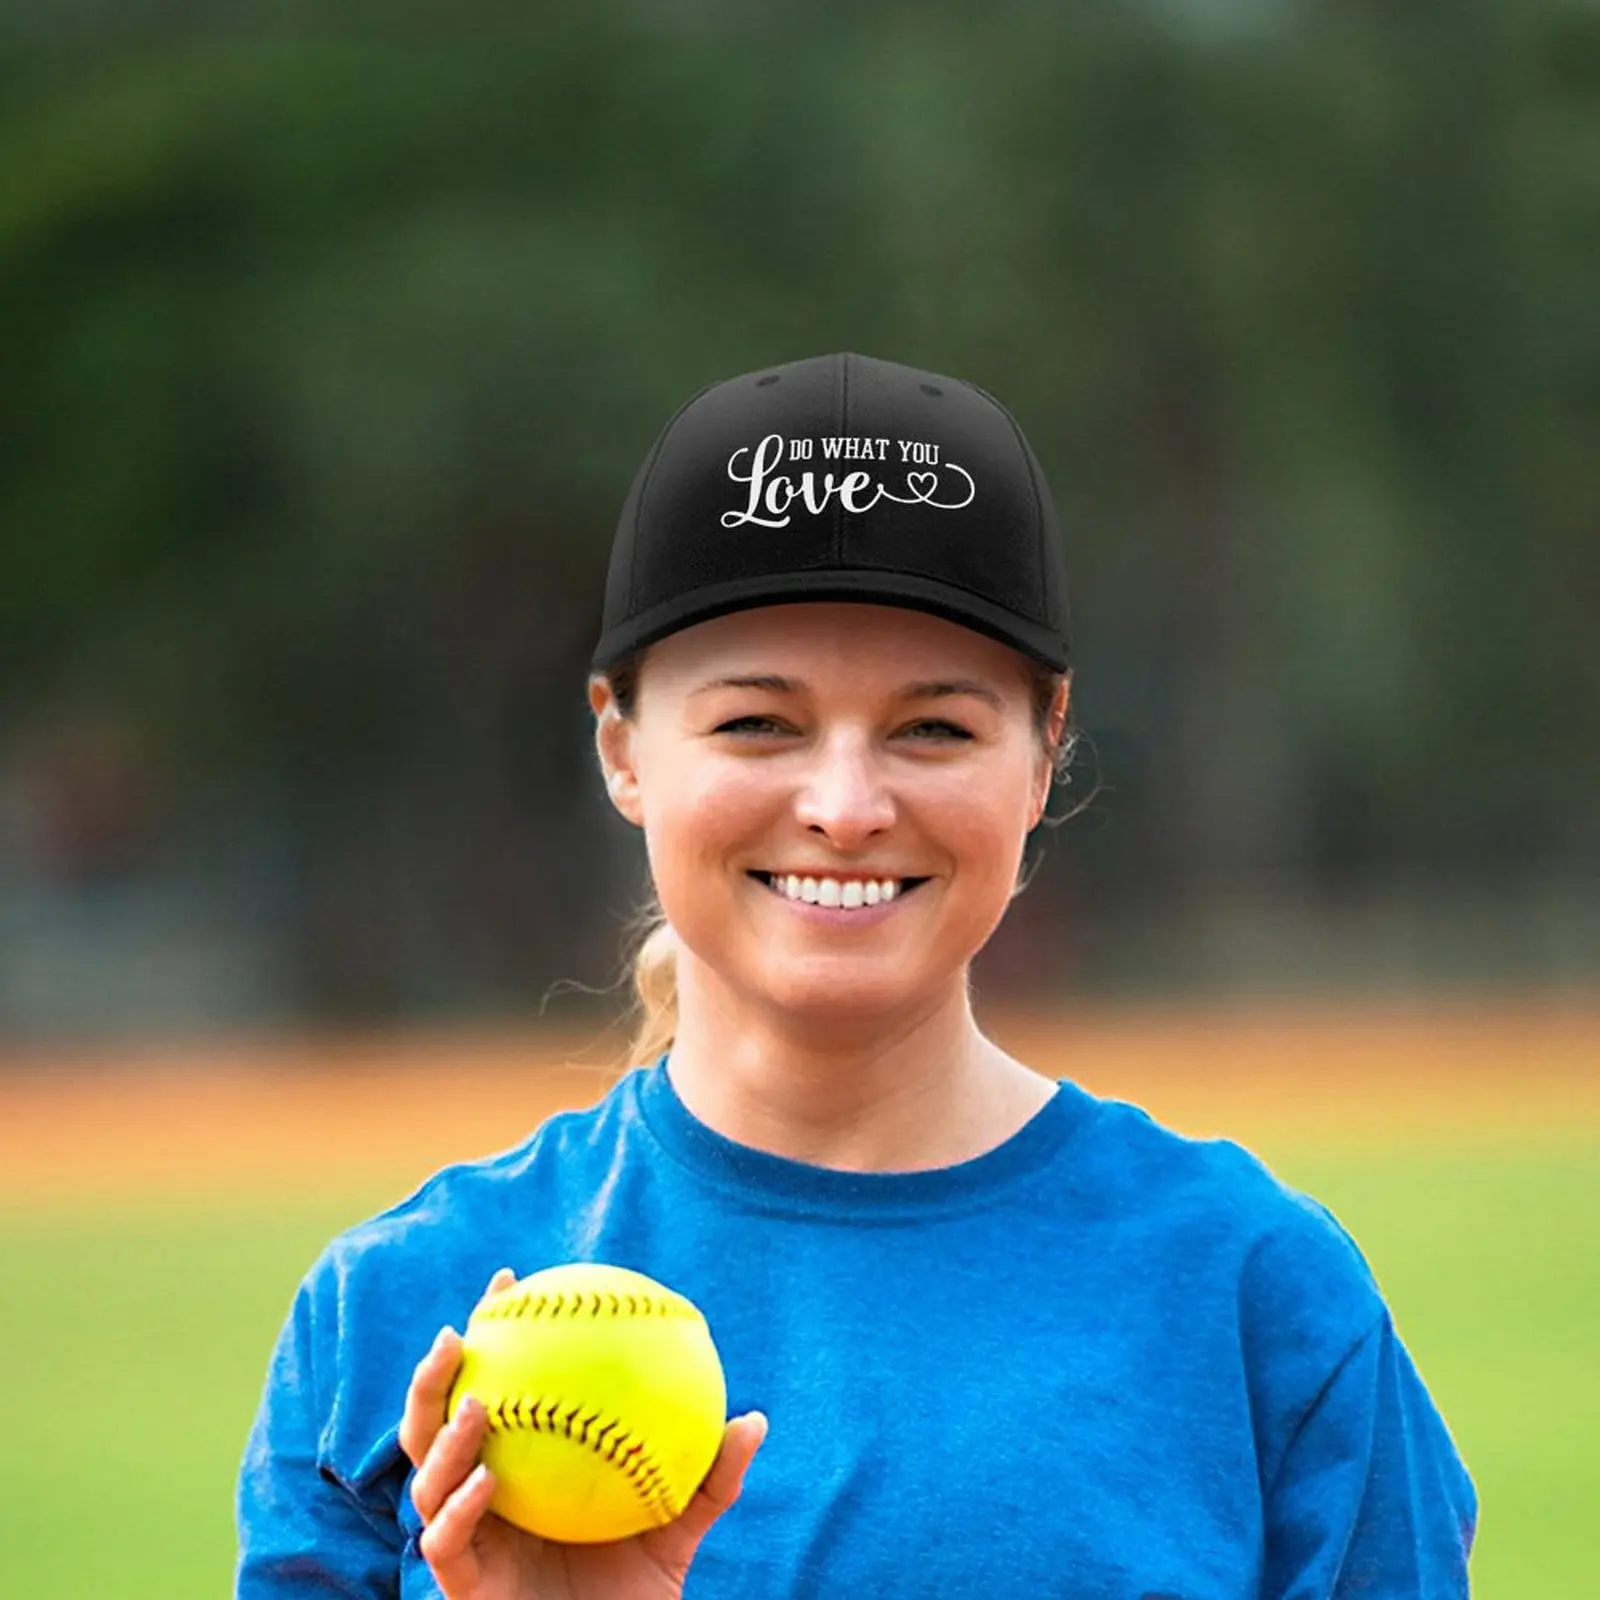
827 994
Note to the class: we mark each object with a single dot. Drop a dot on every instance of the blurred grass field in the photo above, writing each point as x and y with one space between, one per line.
136 1317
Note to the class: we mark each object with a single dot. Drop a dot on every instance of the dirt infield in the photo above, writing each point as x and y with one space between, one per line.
314 1115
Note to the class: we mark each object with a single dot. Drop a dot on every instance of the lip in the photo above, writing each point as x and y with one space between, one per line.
837 916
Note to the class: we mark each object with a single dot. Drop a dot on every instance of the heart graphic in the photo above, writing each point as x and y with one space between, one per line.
922 484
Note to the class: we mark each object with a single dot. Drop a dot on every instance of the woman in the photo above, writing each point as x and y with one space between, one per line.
1009 1339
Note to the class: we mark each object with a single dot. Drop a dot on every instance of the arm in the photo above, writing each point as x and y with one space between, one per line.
1370 1499
312 1531
303 1532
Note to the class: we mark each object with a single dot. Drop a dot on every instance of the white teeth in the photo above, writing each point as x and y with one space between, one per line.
847 895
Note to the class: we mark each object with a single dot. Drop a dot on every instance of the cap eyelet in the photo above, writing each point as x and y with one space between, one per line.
930 388
771 377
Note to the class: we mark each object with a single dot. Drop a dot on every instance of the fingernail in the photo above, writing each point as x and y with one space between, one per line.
477 1477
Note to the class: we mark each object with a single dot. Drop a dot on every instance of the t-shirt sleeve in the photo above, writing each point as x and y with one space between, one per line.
1370 1499
304 1528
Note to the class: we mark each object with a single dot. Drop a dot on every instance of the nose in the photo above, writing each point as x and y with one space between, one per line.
844 796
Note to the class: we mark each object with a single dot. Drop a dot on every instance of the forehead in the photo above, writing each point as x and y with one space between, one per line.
833 644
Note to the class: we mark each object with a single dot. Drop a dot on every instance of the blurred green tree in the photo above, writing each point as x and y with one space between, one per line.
329 357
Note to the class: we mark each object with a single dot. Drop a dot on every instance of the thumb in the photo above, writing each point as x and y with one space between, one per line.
740 1441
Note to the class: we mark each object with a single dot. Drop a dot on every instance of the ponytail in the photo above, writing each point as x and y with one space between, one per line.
655 989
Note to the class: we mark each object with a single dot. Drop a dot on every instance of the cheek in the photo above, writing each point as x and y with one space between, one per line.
694 825
980 817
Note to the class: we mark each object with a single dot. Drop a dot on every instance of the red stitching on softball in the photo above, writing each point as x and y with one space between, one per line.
621 1450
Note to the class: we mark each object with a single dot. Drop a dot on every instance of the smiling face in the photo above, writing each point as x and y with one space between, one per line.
834 799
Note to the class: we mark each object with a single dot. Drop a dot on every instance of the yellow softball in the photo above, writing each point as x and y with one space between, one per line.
605 1397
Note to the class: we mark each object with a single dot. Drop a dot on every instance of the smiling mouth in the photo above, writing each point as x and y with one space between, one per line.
843 894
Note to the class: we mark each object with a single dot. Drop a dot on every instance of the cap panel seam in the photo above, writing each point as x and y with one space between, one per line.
644 490
1038 504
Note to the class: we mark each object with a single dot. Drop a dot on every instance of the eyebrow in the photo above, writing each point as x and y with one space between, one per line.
935 689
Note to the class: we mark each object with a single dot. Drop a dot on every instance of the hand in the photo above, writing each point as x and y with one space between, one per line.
475 1555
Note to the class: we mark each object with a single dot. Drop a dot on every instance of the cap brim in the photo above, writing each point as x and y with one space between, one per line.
1040 642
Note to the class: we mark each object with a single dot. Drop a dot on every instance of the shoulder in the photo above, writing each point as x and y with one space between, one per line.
1224 1205
425 1260
491 1203
377 1294
1254 1270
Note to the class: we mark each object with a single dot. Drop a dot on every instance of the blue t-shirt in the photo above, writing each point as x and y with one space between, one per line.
1101 1361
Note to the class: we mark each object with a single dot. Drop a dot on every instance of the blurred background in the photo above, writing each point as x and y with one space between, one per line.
329 359
330 349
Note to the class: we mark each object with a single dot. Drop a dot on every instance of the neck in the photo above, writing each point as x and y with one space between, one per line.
923 1088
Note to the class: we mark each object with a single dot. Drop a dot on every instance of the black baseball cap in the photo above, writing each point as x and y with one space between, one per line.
839 477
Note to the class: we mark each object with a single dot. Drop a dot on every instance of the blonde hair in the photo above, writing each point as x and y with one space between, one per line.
653 960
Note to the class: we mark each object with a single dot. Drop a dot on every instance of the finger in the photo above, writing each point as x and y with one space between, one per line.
503 1279
740 1441
428 1393
446 1542
450 1459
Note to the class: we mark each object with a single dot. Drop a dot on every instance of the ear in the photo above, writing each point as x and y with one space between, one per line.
1055 727
614 744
